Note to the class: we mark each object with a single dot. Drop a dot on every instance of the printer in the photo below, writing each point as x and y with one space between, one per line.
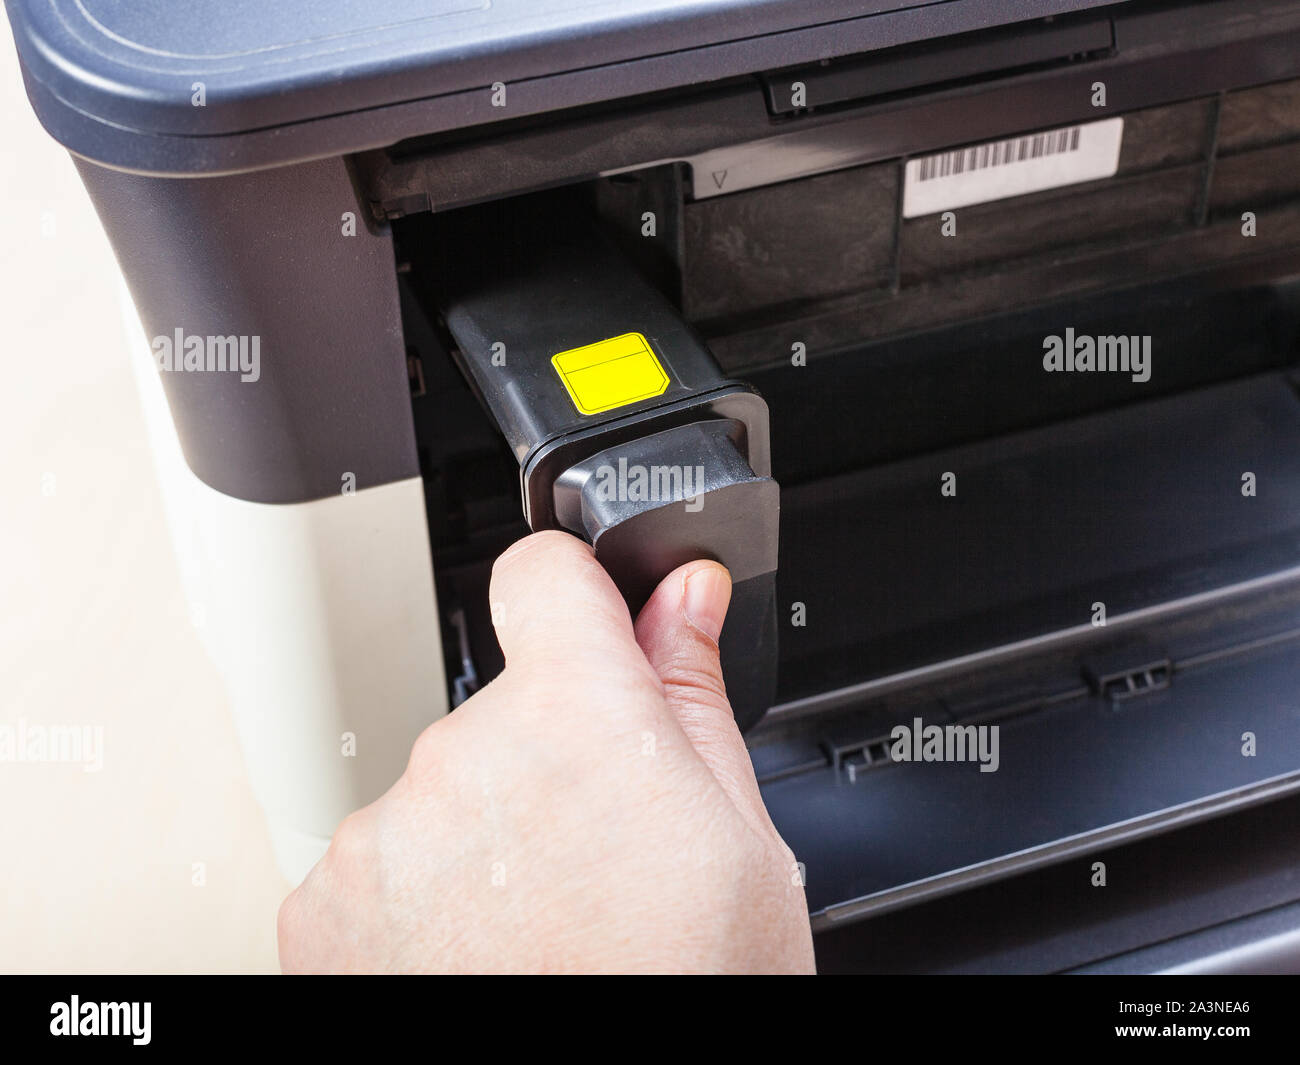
964 334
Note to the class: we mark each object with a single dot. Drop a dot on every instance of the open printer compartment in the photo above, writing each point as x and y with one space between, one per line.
1105 569
825 207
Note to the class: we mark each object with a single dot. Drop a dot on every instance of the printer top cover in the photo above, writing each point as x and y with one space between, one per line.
212 87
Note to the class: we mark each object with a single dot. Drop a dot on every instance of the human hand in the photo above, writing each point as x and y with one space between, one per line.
593 809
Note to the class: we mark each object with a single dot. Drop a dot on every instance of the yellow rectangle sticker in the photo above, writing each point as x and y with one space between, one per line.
611 373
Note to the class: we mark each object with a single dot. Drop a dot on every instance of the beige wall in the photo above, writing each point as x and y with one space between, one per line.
96 868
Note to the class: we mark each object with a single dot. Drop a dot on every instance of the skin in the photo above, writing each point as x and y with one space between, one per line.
593 809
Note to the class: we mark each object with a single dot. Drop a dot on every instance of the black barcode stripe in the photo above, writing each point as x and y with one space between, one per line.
998 153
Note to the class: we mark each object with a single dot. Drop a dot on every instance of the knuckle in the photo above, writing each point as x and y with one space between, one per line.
288 923
681 675
287 915
348 845
426 752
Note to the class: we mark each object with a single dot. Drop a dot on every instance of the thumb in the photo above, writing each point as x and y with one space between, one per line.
552 602
678 631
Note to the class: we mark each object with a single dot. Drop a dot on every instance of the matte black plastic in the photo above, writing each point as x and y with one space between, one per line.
269 255
1207 876
1164 54
299 79
1124 507
1141 509
726 512
522 281
707 494
530 280
936 63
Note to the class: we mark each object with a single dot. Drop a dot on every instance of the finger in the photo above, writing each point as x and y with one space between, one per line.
554 606
678 631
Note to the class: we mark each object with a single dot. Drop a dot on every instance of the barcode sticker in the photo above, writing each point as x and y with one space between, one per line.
1012 167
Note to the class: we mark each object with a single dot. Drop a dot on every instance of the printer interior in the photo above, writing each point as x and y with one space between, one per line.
1102 562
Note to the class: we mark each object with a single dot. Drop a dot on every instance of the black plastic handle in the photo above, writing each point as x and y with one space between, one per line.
659 501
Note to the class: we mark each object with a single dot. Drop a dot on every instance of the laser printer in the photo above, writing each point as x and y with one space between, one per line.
963 333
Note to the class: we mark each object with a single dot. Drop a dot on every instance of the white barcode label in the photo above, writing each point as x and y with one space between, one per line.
1012 167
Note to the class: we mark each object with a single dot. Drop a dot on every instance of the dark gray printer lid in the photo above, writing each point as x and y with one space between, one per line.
295 79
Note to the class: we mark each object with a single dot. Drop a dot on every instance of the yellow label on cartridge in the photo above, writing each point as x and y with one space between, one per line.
611 373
